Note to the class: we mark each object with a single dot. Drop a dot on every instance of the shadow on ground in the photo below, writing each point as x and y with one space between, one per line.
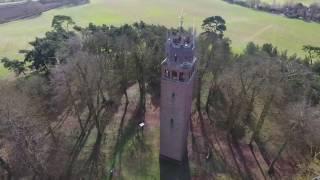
174 171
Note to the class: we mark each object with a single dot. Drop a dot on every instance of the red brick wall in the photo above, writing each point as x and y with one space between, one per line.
173 137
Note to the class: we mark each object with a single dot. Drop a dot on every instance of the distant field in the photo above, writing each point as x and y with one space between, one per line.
243 24
9 1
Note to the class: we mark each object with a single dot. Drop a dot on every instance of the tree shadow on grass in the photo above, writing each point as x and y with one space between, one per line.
125 134
155 100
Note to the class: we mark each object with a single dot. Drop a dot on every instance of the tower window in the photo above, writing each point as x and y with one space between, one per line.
175 58
181 76
173 95
171 123
166 73
174 75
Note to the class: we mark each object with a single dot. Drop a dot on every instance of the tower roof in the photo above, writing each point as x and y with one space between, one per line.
180 47
181 40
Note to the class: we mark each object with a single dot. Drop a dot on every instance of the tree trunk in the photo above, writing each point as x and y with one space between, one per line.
208 100
199 88
142 89
6 167
250 106
141 81
82 139
93 161
282 148
260 123
120 132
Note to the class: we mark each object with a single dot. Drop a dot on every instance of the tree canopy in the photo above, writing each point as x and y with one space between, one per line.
43 52
214 24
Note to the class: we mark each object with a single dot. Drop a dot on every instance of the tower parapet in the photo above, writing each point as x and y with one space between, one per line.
180 59
180 47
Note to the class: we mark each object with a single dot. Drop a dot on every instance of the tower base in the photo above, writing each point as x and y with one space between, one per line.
171 169
166 158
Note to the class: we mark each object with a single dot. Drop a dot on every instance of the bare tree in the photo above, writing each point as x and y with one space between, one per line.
88 86
32 152
300 125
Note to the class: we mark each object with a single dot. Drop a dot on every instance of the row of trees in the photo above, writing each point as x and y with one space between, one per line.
290 10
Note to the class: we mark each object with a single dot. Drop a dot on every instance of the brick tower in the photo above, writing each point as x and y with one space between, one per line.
177 79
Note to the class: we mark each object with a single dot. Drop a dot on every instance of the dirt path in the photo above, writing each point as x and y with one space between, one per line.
259 32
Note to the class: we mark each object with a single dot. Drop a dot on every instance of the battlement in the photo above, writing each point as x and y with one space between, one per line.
180 47
181 40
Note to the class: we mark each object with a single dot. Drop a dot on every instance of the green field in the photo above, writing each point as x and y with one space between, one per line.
243 24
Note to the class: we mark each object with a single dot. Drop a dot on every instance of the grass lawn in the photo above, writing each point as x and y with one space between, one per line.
3 72
243 24
141 157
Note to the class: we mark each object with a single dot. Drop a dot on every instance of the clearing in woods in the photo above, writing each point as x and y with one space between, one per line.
243 24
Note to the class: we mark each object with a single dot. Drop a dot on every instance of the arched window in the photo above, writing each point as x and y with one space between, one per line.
175 58
171 123
174 75
181 76
166 73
